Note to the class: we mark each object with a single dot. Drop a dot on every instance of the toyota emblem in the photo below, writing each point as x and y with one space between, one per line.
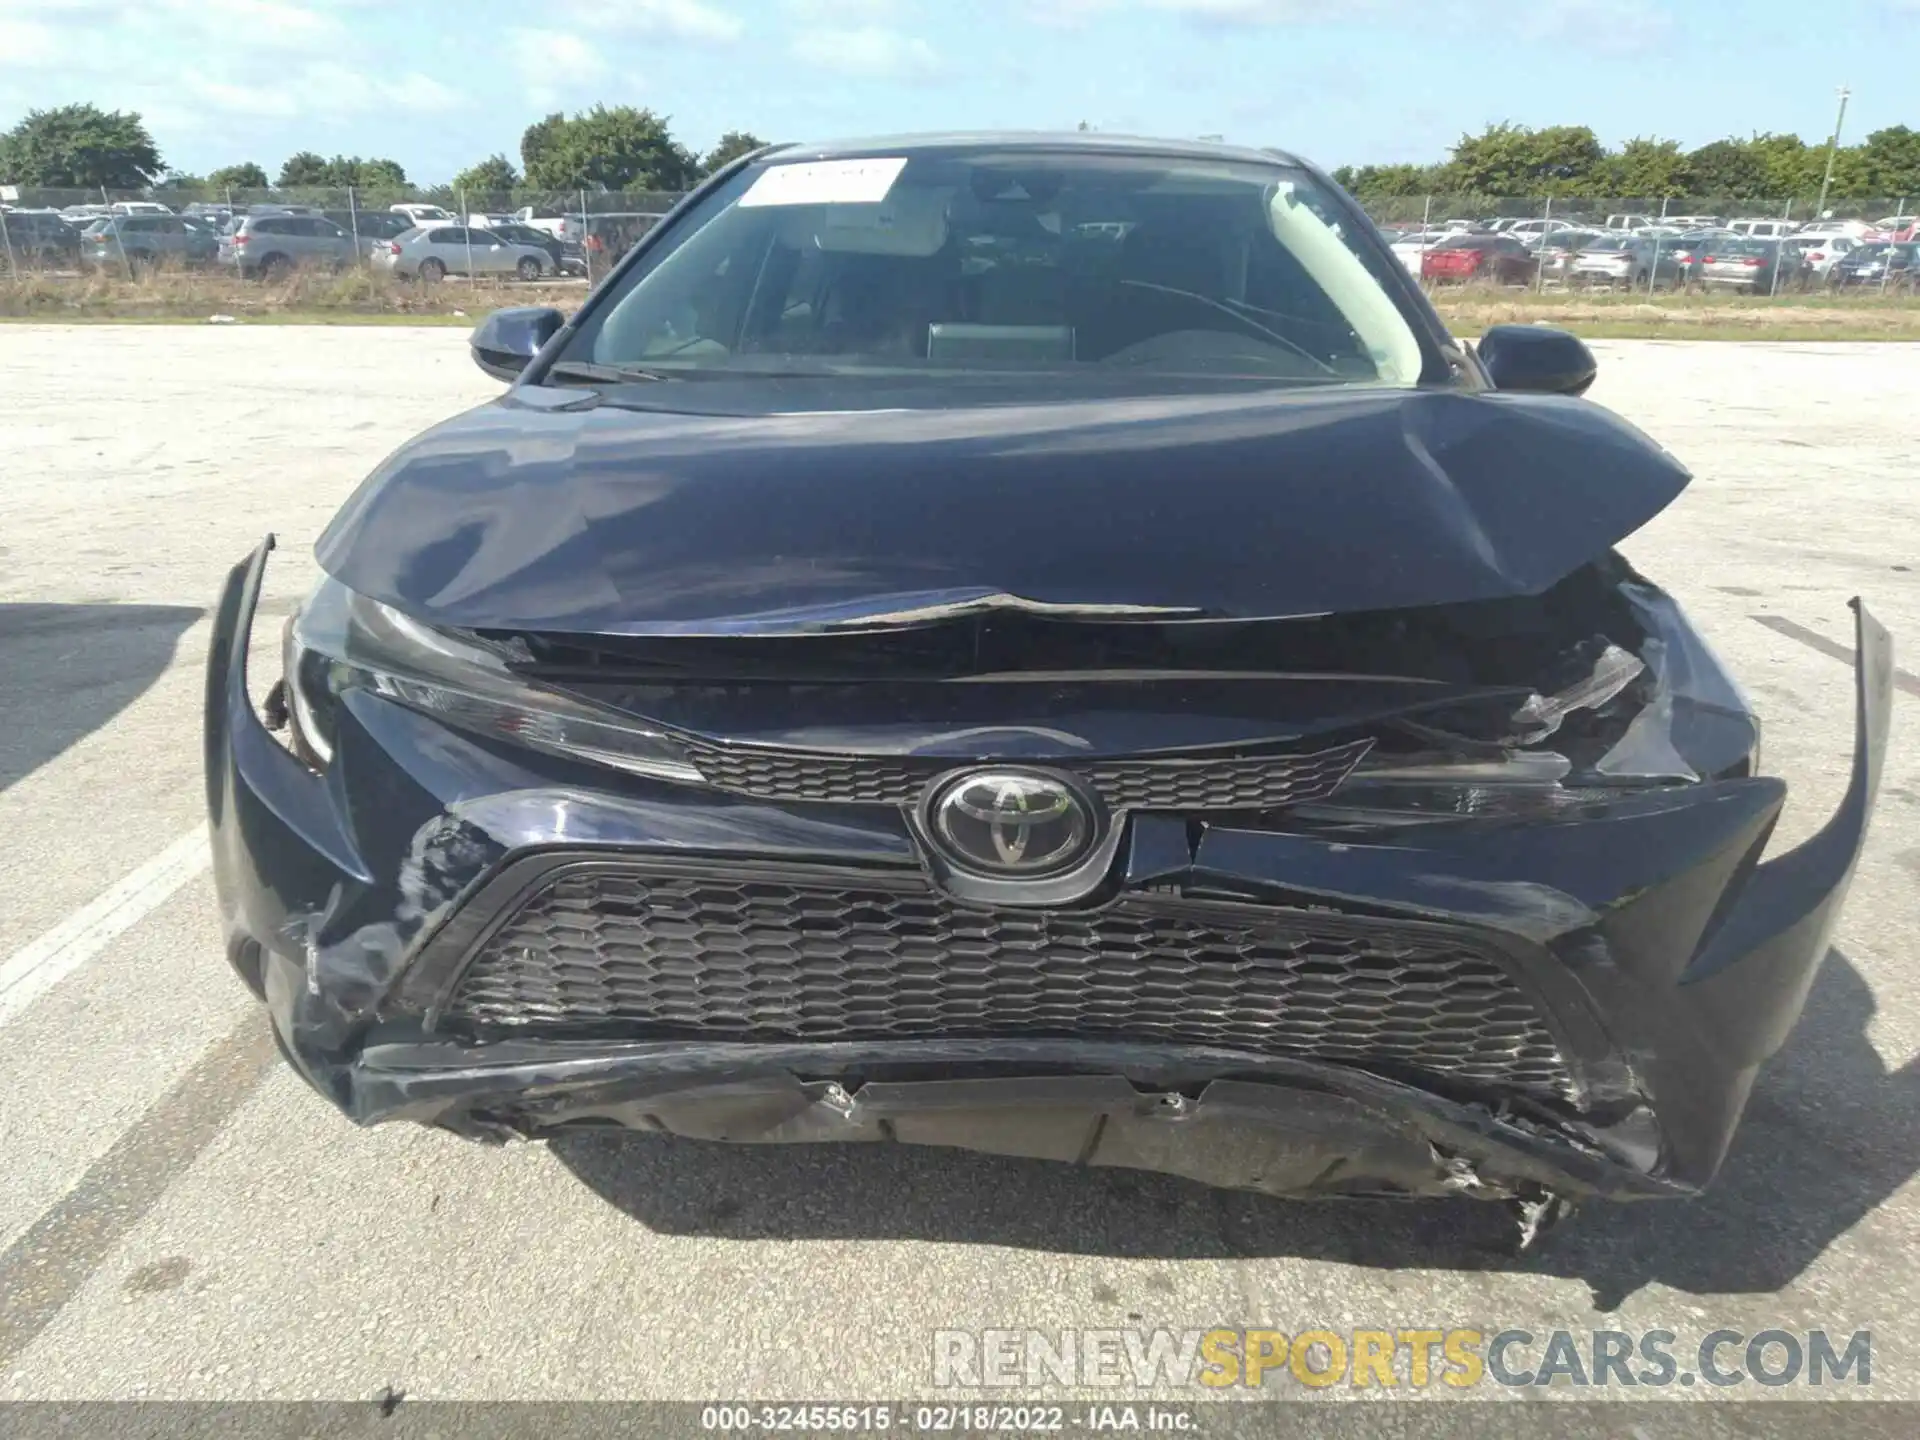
1012 822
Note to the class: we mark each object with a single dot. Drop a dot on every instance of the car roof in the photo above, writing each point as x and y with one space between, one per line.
1091 142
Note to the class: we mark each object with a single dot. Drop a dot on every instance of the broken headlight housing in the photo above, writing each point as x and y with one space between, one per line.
340 641
1670 715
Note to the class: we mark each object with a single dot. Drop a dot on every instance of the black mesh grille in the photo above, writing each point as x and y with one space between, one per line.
735 957
1246 783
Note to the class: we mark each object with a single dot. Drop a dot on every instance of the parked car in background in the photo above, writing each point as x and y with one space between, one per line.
84 215
370 224
553 220
135 243
1883 264
1856 229
1532 230
1556 251
1821 251
1696 222
420 214
139 207
270 246
433 252
566 257
1412 245
39 240
1760 229
1742 262
1501 259
1628 222
1628 262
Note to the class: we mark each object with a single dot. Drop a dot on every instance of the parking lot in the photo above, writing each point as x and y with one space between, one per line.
180 1217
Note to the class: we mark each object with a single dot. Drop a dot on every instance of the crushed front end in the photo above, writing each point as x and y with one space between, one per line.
1460 899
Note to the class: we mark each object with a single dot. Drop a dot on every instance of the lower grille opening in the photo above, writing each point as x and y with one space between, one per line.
735 955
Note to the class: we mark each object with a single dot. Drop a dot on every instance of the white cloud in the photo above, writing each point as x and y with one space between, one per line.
850 12
25 43
546 57
868 51
1616 26
690 20
321 90
256 22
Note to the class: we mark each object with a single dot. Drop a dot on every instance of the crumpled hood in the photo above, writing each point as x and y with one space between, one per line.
602 519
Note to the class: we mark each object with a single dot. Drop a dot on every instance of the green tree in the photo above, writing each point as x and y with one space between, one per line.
1511 159
308 170
494 175
244 176
615 147
80 145
1890 162
1790 165
732 146
304 168
1386 182
373 174
1726 170
1644 169
537 142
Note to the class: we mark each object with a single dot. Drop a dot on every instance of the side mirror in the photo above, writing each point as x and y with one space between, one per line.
1538 358
506 340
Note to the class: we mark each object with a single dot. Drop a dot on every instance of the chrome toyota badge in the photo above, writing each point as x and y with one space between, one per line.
1011 822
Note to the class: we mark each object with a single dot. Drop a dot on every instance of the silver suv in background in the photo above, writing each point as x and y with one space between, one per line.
271 246
433 252
133 243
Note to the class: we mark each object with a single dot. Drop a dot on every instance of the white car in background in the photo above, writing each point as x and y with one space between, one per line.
433 252
1755 228
556 222
422 214
1529 232
1853 229
1826 249
1410 247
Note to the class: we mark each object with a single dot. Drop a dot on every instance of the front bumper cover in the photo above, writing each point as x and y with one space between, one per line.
1669 960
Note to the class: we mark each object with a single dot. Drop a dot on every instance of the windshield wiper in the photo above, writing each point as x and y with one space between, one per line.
592 371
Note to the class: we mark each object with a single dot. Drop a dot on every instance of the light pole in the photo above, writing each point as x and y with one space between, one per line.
1833 148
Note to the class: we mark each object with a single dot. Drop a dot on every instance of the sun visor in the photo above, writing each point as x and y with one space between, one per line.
910 221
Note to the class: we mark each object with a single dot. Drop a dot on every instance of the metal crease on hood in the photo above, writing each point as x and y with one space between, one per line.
1248 506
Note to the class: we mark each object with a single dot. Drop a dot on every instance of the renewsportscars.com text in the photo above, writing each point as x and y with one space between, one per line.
1456 1358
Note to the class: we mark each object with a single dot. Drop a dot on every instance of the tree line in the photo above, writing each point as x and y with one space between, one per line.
1570 161
607 148
624 147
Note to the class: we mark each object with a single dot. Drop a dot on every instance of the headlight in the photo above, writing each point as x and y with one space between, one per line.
340 641
1670 716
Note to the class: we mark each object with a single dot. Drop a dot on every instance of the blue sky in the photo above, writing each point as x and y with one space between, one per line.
1342 81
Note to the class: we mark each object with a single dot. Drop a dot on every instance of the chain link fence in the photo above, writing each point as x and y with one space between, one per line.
596 226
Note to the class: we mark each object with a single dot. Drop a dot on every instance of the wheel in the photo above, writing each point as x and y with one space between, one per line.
275 268
528 268
139 262
432 271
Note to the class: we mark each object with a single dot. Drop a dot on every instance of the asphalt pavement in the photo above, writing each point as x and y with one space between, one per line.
181 1218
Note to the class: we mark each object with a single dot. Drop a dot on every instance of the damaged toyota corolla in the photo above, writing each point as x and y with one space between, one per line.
1040 645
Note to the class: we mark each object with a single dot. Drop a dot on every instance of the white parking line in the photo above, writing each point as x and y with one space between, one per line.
36 968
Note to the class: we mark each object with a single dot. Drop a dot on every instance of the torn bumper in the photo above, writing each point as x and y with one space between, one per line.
1659 957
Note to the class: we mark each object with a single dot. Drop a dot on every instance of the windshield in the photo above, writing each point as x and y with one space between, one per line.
985 262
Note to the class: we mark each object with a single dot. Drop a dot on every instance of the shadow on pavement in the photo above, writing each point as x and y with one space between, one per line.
69 669
1829 1134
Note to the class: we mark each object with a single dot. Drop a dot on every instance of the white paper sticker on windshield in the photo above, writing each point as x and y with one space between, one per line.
825 182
